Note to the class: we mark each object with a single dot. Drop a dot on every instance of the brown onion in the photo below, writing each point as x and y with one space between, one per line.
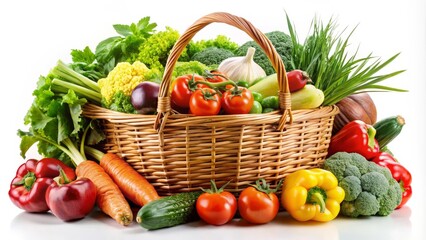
358 106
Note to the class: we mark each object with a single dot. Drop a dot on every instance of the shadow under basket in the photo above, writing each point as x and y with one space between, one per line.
181 152
237 148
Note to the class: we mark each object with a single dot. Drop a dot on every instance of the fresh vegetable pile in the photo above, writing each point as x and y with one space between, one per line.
360 177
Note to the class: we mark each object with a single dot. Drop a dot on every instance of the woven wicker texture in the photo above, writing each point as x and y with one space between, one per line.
181 152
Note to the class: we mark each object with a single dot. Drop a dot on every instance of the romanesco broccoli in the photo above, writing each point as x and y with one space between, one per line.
282 43
369 188
117 87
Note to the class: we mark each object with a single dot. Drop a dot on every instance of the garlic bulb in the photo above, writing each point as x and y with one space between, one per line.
242 68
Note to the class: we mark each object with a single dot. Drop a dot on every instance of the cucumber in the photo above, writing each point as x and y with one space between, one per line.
267 86
169 211
388 129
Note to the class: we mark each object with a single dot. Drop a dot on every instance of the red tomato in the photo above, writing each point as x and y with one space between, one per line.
204 102
237 100
182 89
258 204
216 206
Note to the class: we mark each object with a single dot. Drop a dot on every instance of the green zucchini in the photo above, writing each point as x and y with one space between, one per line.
169 211
388 129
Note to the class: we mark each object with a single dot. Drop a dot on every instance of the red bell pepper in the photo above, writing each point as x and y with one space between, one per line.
355 137
28 188
399 173
71 200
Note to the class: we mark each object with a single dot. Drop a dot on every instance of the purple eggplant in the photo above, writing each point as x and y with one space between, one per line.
144 97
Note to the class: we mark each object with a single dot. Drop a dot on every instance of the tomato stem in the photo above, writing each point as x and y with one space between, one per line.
264 187
211 74
207 95
213 187
217 85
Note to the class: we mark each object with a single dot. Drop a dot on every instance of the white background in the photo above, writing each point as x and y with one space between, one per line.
35 34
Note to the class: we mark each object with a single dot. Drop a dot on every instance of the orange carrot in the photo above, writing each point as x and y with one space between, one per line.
109 197
132 184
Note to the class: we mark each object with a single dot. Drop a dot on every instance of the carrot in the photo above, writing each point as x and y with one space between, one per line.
133 185
109 197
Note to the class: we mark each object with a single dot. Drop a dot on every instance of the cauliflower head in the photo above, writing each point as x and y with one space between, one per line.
122 79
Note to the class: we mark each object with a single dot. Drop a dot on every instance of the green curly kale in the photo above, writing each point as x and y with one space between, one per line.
191 67
155 50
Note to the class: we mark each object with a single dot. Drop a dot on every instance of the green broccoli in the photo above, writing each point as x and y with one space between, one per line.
369 188
352 187
220 41
212 56
282 43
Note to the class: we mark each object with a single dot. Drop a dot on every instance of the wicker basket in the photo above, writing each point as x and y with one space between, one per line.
181 152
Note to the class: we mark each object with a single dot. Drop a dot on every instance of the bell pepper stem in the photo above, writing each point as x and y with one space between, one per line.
317 195
318 199
29 182
371 131
62 179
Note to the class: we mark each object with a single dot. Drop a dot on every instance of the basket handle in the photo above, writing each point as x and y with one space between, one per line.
164 101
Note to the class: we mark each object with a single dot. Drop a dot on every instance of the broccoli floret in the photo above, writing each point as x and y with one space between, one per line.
352 187
375 183
337 164
359 161
369 188
394 194
220 41
282 43
212 56
365 205
351 170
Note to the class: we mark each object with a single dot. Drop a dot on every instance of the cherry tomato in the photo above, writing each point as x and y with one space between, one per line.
237 100
216 206
204 102
258 203
182 89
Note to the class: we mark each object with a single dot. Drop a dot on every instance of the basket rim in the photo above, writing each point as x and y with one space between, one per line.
98 112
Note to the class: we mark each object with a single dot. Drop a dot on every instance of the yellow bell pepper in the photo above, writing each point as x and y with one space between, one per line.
312 195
